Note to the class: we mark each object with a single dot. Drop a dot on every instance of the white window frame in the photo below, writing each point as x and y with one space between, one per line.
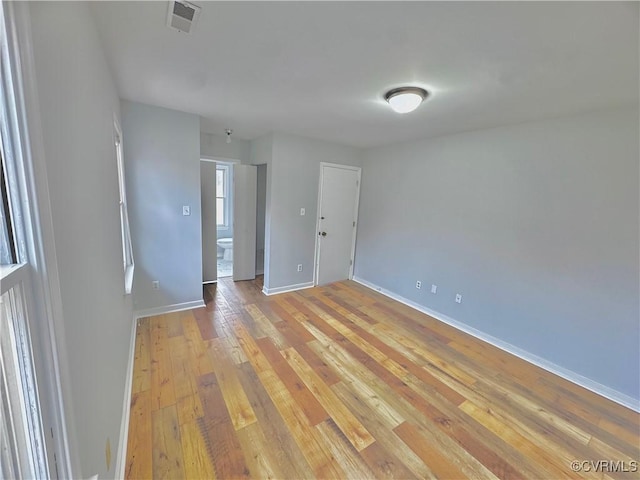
127 249
36 276
224 225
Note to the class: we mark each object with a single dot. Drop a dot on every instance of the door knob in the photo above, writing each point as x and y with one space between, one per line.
324 234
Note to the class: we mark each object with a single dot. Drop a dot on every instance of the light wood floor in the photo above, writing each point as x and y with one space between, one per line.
341 382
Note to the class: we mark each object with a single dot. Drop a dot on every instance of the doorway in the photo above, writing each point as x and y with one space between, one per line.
337 219
224 219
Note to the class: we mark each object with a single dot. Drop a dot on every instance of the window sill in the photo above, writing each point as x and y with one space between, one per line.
128 279
11 275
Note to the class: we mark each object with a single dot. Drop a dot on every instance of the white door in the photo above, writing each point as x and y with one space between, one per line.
337 217
209 231
245 185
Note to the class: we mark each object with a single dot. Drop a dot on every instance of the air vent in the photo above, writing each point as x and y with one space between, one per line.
182 16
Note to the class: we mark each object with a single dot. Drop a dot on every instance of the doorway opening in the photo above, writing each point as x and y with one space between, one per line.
224 219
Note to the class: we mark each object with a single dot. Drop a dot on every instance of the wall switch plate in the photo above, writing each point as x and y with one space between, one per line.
458 298
155 285
299 267
418 284
302 212
434 288
186 210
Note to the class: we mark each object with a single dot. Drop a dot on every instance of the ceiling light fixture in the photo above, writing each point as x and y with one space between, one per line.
228 131
405 99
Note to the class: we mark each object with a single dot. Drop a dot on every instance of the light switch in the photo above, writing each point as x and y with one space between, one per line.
186 210
302 212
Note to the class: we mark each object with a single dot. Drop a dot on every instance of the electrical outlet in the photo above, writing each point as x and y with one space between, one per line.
434 289
155 285
302 212
458 298
418 284
299 267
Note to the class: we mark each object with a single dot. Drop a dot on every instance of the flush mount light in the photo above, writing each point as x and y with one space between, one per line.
405 99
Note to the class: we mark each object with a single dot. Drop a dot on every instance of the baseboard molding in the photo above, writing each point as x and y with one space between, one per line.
121 458
573 377
287 288
176 307
210 282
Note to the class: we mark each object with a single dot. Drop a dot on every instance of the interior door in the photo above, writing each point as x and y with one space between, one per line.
245 185
209 230
337 212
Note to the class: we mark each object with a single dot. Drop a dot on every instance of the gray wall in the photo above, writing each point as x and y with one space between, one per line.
216 146
162 158
78 102
535 224
293 183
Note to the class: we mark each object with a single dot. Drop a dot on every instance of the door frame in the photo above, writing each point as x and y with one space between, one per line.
316 256
216 160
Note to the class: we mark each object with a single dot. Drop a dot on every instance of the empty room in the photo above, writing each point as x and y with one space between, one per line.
314 240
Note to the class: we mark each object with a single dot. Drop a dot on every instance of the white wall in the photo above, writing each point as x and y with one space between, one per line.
78 101
216 146
293 183
535 224
162 158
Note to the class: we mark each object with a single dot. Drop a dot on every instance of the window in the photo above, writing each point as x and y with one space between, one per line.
22 450
222 196
127 251
30 392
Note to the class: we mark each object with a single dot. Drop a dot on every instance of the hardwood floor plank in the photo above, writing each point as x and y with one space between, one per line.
140 447
142 361
197 463
162 390
217 429
437 462
261 461
205 321
343 451
342 382
286 451
235 399
358 435
312 409
168 459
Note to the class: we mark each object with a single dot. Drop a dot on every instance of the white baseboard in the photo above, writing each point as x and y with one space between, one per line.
607 392
121 458
176 307
210 282
287 288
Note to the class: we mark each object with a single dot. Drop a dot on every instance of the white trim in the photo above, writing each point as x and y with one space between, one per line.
210 282
573 377
121 459
212 159
316 254
287 288
176 307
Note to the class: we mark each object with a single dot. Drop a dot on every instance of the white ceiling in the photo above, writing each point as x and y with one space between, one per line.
320 69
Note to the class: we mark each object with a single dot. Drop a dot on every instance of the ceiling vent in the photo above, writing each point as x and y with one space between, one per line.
182 16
